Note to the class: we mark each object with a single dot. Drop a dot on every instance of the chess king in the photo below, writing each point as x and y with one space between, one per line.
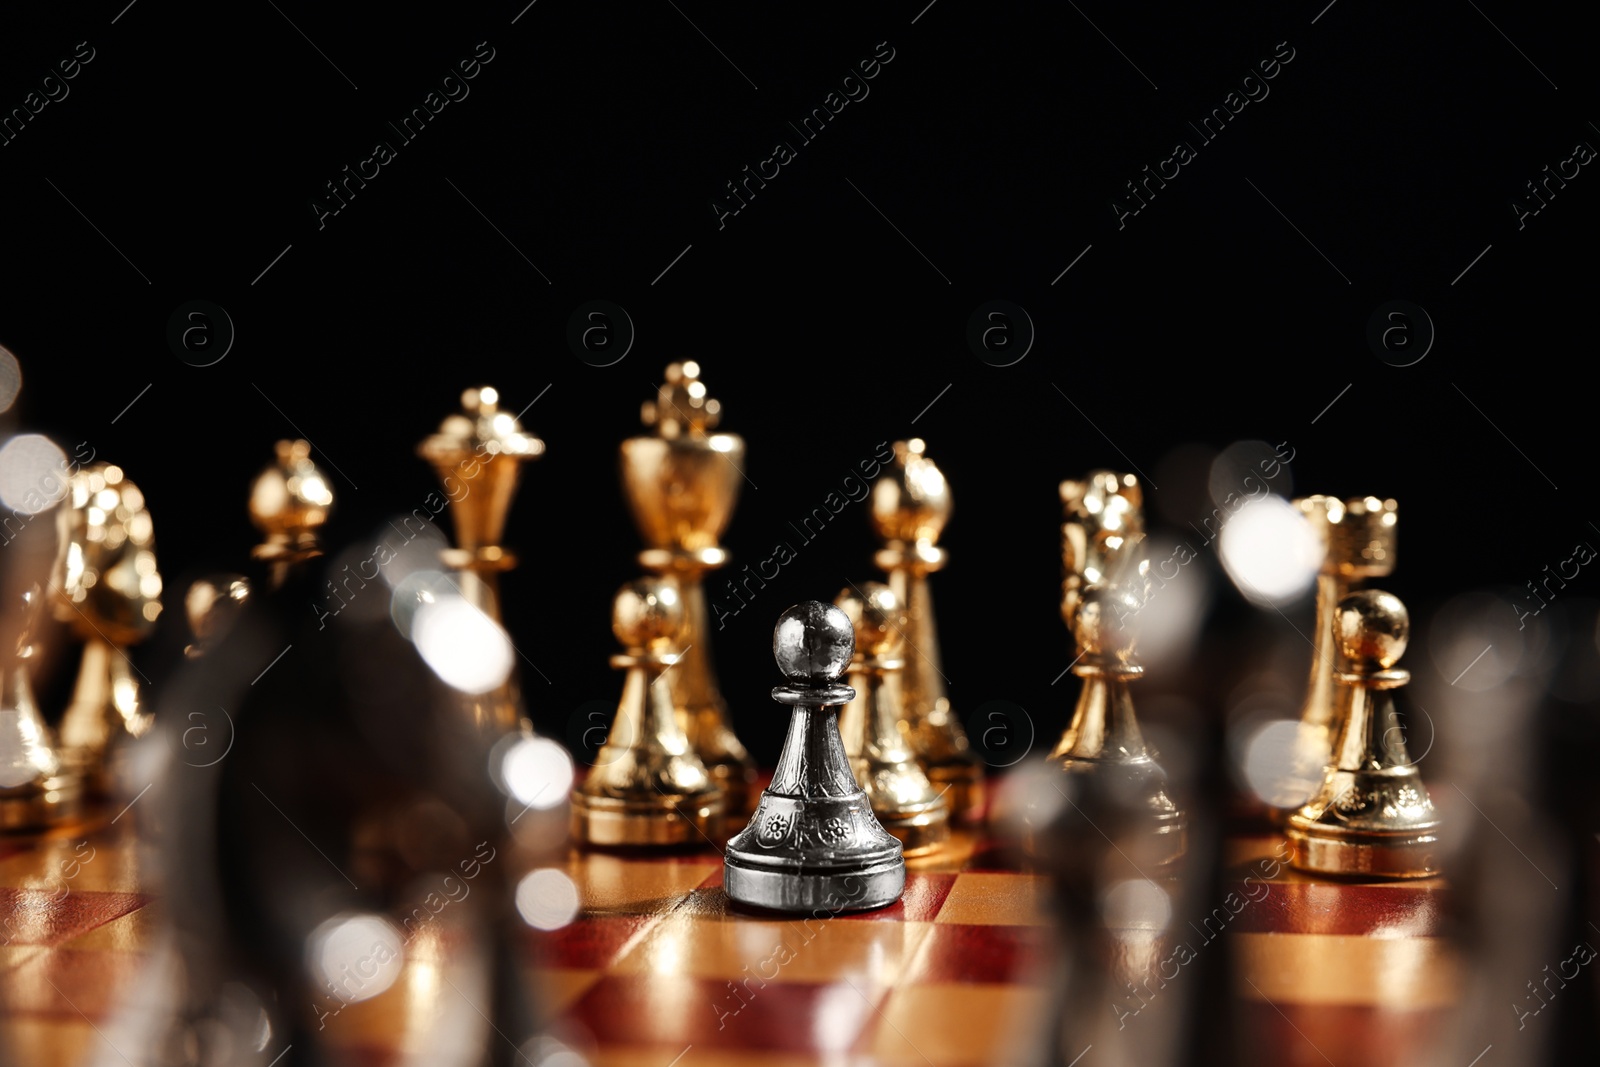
681 483
910 505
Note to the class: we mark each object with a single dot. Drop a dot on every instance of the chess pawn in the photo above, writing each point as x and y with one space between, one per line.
1373 815
35 791
478 454
108 591
1104 748
647 786
1358 539
681 483
212 606
289 503
904 800
1103 513
910 505
813 844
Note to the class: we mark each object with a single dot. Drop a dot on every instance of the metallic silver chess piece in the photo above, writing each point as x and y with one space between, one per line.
813 844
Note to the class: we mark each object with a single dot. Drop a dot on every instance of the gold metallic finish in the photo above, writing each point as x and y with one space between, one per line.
478 454
1102 511
108 591
35 788
647 786
212 605
1373 816
1104 743
681 484
874 724
289 503
910 506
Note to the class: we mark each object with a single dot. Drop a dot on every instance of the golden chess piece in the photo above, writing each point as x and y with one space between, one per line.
1373 815
478 455
289 503
910 505
109 592
1102 512
647 786
1358 538
35 788
212 605
1103 745
681 483
904 800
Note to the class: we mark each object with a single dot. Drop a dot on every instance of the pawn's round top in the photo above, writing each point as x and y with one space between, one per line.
1102 621
878 617
647 613
1373 627
911 499
291 496
813 643
682 404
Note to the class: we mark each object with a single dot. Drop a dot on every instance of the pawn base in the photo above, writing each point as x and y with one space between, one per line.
40 807
1405 855
650 821
962 785
919 832
817 890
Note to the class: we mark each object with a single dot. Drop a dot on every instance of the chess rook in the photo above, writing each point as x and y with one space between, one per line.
647 786
1373 815
682 482
910 505
813 844
108 591
478 454
874 728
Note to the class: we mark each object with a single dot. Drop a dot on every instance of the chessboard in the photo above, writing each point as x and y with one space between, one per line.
658 970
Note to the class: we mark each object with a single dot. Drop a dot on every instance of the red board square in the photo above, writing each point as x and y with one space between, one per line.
590 943
41 917
958 952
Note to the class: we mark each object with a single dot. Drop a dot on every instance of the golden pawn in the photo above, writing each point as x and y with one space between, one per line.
910 505
1104 514
35 791
1373 815
478 455
904 800
1104 744
1358 539
681 483
108 590
212 605
647 786
289 503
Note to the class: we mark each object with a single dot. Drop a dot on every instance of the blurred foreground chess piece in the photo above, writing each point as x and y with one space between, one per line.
647 786
1373 815
1358 542
813 844
35 788
109 592
289 503
873 724
682 483
477 455
910 505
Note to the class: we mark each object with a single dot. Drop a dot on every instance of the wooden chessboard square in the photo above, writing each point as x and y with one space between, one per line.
92 863
956 1025
1314 1036
591 941
44 917
678 1011
758 952
617 885
48 1042
1393 911
1006 899
972 953
1344 969
68 983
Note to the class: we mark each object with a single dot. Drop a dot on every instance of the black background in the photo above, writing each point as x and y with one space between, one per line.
995 140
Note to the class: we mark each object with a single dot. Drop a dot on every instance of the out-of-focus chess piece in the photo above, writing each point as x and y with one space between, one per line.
1358 539
910 505
1373 815
874 725
813 844
1103 747
109 592
647 786
682 483
212 605
289 503
1102 513
478 454
35 788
